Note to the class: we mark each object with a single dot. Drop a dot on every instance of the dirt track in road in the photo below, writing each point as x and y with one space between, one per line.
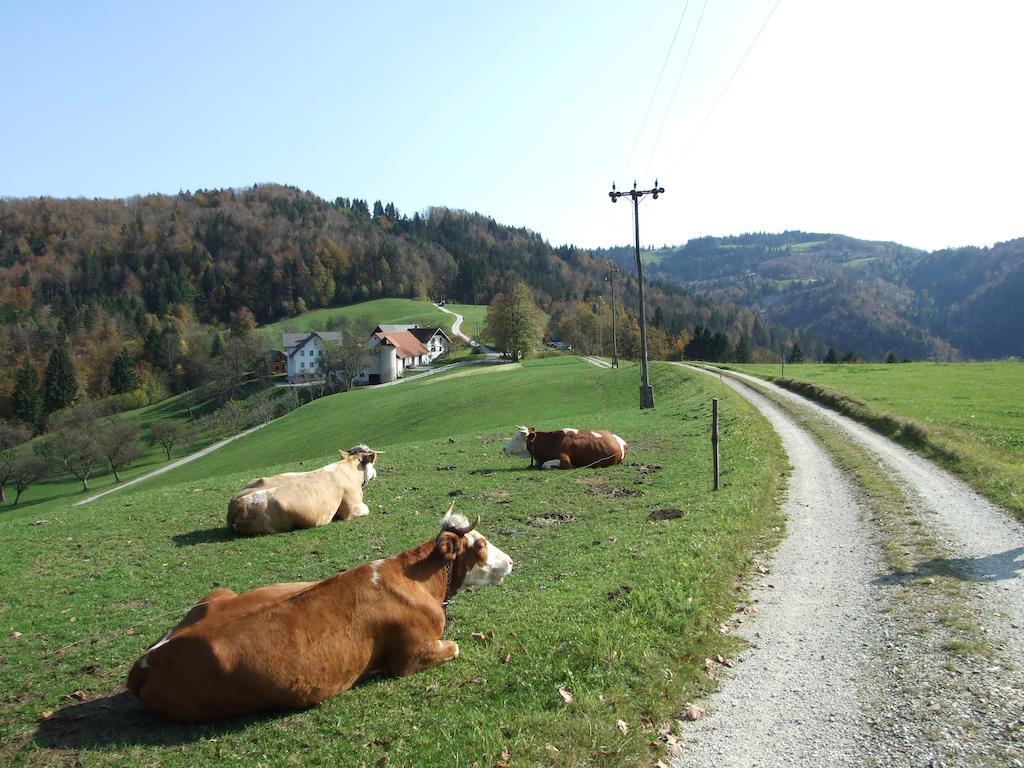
852 662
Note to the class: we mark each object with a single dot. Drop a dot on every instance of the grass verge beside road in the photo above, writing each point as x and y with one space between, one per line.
615 607
967 417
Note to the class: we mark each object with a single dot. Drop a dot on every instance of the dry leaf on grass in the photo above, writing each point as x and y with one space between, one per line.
622 726
551 748
565 693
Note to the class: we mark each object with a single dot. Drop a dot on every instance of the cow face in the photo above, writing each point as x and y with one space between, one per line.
519 445
483 563
365 456
492 565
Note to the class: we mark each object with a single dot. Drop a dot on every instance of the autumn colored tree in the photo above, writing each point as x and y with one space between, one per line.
513 322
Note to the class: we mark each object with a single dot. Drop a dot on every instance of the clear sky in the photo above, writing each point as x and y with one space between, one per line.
884 119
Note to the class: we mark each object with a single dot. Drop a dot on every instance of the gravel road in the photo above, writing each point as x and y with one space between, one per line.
849 663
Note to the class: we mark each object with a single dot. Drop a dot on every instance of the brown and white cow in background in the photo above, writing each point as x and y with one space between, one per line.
567 448
291 646
305 499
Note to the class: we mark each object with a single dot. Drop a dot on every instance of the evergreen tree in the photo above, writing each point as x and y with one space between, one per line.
216 345
850 357
743 353
891 358
60 386
831 357
26 400
123 377
796 355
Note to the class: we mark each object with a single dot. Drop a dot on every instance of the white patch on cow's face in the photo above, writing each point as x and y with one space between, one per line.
375 572
552 464
368 473
570 431
517 445
492 572
622 447
260 497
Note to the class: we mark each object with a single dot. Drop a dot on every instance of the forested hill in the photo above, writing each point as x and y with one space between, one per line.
147 270
870 297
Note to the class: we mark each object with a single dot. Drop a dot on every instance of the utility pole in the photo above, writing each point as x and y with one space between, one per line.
646 393
612 269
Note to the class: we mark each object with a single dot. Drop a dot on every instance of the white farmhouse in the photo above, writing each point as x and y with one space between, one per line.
304 351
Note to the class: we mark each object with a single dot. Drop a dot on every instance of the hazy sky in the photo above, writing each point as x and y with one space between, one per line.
882 119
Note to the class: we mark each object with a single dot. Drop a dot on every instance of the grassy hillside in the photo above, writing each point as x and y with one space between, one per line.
615 607
382 310
967 416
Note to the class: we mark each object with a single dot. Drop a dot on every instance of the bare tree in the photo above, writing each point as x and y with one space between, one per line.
74 444
340 362
119 444
28 469
12 435
166 434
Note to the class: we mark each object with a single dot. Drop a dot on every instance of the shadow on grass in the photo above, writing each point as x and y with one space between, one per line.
207 536
119 720
990 568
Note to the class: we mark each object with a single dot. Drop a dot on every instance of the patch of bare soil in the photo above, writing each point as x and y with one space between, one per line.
552 518
598 485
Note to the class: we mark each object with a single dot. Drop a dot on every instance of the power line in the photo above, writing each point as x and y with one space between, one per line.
650 103
732 77
679 79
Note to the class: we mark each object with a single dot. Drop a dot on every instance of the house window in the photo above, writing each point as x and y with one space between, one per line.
302 353
302 365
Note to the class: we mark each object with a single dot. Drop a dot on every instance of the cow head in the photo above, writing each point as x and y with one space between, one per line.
364 457
519 445
474 560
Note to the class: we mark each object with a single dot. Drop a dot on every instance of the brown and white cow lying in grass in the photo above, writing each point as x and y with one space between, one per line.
291 646
567 448
305 499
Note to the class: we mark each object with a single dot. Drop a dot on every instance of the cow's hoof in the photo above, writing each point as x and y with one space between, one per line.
361 511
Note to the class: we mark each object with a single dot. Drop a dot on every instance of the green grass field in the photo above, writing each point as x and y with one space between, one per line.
396 311
967 416
615 607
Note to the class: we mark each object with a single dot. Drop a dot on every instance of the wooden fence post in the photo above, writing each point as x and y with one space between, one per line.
714 438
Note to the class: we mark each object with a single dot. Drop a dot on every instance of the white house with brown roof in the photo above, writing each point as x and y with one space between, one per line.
303 351
397 347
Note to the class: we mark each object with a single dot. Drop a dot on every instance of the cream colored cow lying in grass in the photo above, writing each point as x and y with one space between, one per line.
305 499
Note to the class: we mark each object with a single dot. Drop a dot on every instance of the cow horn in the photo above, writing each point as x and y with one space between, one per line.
467 529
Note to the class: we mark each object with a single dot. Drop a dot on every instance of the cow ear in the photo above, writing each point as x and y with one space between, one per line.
451 545
480 550
343 454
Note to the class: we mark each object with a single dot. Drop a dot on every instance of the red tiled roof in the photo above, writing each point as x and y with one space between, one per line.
405 344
